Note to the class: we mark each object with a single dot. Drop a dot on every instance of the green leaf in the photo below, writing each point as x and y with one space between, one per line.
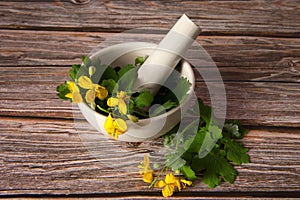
83 58
62 90
169 104
211 175
215 132
165 107
109 73
242 131
110 85
188 172
73 71
175 162
227 171
232 130
196 164
182 88
86 61
144 99
185 137
236 152
139 60
216 166
205 112
198 140
211 178
127 80
125 69
131 106
169 136
209 137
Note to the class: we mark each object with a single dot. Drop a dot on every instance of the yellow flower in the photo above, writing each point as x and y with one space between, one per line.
90 96
120 126
74 92
101 92
119 101
94 90
146 170
85 82
170 183
114 128
109 124
145 165
184 183
148 176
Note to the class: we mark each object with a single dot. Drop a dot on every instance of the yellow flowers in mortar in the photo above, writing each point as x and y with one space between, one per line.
105 96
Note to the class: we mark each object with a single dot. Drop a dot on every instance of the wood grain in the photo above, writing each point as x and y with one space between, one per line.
31 92
45 156
43 152
271 18
237 58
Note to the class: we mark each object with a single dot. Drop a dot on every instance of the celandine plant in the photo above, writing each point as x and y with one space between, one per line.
109 91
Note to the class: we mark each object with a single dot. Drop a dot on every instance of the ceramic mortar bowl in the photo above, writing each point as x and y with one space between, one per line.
144 129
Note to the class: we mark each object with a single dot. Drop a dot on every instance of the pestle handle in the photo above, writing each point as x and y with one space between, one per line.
160 64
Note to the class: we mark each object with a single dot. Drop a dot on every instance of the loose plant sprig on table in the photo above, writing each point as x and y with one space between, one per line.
215 166
109 91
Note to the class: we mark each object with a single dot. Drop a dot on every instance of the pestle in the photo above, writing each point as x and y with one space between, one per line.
162 61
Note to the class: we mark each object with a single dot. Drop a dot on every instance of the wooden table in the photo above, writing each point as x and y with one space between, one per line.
255 45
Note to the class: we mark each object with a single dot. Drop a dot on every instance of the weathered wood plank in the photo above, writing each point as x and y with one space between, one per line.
41 152
238 58
272 18
129 196
48 157
31 92
271 104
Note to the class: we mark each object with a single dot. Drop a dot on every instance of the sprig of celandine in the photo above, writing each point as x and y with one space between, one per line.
112 96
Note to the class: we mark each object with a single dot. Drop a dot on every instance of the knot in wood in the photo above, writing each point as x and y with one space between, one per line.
80 2
294 65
